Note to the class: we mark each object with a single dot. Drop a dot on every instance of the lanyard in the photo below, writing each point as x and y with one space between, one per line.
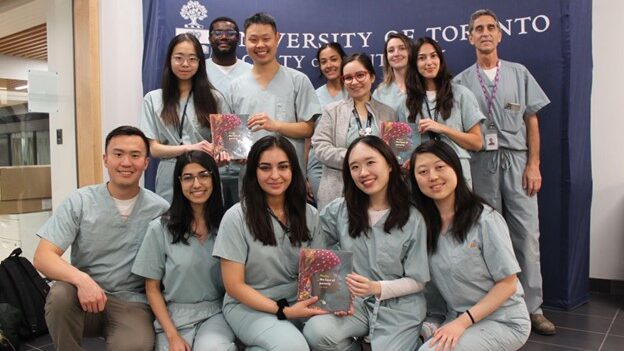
435 116
184 116
369 122
432 135
284 227
489 98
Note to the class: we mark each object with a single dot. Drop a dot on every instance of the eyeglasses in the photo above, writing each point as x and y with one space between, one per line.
203 177
230 33
179 59
358 76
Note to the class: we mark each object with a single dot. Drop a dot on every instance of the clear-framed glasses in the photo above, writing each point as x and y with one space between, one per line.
203 177
179 59
358 76
230 33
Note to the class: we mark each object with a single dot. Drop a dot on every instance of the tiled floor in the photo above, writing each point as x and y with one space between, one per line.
596 326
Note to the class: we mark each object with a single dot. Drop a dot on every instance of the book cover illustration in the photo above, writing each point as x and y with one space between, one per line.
402 137
322 273
230 134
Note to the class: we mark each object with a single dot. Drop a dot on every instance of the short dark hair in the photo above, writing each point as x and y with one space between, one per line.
333 45
128 131
260 18
479 13
362 58
254 198
468 205
358 202
223 19
179 218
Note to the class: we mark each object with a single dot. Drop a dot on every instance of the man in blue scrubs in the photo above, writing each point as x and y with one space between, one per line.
96 293
506 173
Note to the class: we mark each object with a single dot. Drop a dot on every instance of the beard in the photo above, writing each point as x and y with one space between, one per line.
223 53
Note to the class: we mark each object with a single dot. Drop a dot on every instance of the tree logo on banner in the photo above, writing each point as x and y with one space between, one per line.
193 11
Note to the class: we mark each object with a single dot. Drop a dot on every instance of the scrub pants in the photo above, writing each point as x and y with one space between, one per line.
488 335
263 331
329 332
213 334
125 325
497 177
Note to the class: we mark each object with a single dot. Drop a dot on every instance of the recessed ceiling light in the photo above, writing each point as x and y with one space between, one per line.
21 87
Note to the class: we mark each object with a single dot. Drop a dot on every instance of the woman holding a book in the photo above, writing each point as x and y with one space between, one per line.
177 254
443 110
386 234
176 117
474 291
258 243
344 121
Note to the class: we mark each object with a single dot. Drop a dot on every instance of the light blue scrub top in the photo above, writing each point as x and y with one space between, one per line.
465 272
382 256
155 128
518 96
289 97
325 98
221 80
271 270
103 244
392 96
193 288
464 115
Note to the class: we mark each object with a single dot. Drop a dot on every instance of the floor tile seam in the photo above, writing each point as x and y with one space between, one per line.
609 329
553 344
582 314
582 330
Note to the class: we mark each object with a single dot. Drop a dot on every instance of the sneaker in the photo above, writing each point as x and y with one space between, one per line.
541 325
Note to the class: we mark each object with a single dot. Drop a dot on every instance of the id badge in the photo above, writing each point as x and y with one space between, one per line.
491 141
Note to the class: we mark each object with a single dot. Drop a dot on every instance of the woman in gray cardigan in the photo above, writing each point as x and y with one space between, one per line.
346 120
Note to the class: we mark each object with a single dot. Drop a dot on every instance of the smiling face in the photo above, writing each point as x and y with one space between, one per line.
436 179
358 89
184 60
261 43
225 43
369 169
485 34
428 62
329 62
398 53
274 172
196 183
125 159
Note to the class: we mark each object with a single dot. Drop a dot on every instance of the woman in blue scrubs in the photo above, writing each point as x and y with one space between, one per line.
177 254
474 291
176 118
386 234
258 243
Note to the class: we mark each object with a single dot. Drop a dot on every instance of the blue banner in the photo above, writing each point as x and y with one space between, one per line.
542 35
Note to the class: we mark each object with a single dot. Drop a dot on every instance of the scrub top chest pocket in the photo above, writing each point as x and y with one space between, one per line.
285 108
468 262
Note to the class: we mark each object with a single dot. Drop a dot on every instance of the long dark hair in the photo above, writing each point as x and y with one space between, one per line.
468 205
254 200
415 85
358 202
332 46
179 217
204 99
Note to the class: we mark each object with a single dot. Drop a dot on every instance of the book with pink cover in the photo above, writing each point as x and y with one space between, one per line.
230 134
402 137
322 273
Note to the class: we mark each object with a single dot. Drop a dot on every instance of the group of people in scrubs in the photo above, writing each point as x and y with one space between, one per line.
448 239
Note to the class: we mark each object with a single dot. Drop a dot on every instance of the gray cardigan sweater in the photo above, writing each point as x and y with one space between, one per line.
330 142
